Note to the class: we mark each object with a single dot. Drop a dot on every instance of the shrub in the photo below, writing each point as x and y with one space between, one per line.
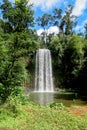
57 105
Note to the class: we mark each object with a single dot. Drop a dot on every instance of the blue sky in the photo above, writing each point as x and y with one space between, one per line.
46 6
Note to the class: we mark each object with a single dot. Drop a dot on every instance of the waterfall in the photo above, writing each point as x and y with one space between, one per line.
43 71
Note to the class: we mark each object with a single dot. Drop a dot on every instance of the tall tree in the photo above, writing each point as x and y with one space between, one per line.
70 20
19 41
44 22
65 22
57 19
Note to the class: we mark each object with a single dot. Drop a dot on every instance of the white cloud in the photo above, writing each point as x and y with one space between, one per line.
79 7
45 4
39 31
51 30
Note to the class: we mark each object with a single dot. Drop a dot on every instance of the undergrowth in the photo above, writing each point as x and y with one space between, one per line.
15 115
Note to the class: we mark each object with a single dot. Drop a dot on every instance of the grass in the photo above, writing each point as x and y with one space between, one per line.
34 117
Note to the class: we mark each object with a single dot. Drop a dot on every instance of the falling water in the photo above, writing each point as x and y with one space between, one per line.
43 71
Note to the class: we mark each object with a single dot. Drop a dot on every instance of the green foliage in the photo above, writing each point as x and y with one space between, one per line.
57 105
32 117
56 46
57 50
13 104
18 16
15 79
68 60
72 60
69 20
65 22
17 43
81 80
77 45
44 21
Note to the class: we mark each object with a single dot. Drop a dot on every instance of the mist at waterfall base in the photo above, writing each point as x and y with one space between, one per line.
43 71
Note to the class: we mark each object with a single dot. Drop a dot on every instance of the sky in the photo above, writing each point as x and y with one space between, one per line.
46 6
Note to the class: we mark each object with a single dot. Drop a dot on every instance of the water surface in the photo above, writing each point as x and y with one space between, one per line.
47 98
